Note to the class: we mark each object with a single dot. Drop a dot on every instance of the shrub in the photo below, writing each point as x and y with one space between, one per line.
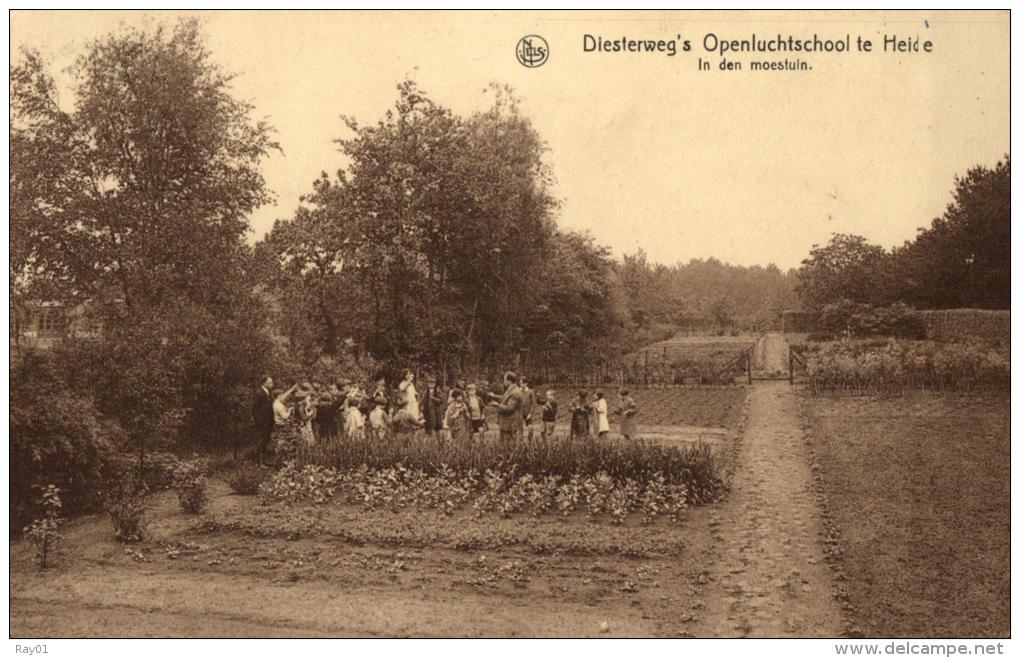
799 322
56 437
246 477
44 533
849 318
967 324
127 512
189 482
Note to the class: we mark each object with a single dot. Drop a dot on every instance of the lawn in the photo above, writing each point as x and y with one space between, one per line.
918 488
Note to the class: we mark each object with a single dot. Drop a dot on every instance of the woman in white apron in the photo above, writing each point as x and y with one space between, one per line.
410 394
600 409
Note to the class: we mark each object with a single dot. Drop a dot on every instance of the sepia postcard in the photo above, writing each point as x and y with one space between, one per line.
511 324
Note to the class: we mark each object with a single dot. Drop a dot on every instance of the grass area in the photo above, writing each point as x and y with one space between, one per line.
918 488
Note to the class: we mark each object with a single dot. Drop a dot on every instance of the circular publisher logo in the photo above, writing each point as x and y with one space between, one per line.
532 51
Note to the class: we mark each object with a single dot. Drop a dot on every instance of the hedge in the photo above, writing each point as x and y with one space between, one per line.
799 322
955 325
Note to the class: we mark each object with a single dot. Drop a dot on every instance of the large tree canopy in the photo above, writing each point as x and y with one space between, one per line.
142 188
130 200
846 268
437 244
962 260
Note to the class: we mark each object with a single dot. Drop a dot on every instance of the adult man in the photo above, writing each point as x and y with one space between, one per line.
511 420
262 415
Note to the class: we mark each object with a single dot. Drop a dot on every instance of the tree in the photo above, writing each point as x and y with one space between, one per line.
847 268
145 186
133 202
310 262
963 259
435 234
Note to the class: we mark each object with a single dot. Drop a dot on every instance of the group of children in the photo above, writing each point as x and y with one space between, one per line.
591 419
347 409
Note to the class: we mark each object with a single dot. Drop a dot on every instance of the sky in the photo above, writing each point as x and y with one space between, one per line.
750 167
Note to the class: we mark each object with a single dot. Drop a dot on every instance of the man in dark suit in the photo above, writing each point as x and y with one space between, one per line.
262 416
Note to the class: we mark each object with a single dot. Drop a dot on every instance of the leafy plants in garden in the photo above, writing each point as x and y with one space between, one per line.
694 466
502 493
897 366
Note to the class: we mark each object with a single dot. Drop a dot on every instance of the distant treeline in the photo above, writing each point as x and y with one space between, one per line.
702 295
961 261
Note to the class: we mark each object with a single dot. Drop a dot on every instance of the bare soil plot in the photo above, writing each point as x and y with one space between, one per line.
247 570
715 406
918 488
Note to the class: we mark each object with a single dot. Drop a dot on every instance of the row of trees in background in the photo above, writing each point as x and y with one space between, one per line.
960 261
703 295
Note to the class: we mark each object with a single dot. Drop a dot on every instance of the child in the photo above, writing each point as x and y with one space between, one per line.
527 405
600 415
580 411
457 417
380 396
355 421
549 411
476 409
627 410
306 410
378 420
433 407
405 421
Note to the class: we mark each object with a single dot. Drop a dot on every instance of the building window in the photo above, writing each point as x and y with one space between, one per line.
52 320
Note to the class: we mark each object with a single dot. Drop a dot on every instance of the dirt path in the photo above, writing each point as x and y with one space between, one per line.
770 577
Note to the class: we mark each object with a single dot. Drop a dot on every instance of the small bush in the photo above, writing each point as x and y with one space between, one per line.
127 512
189 482
44 533
246 478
